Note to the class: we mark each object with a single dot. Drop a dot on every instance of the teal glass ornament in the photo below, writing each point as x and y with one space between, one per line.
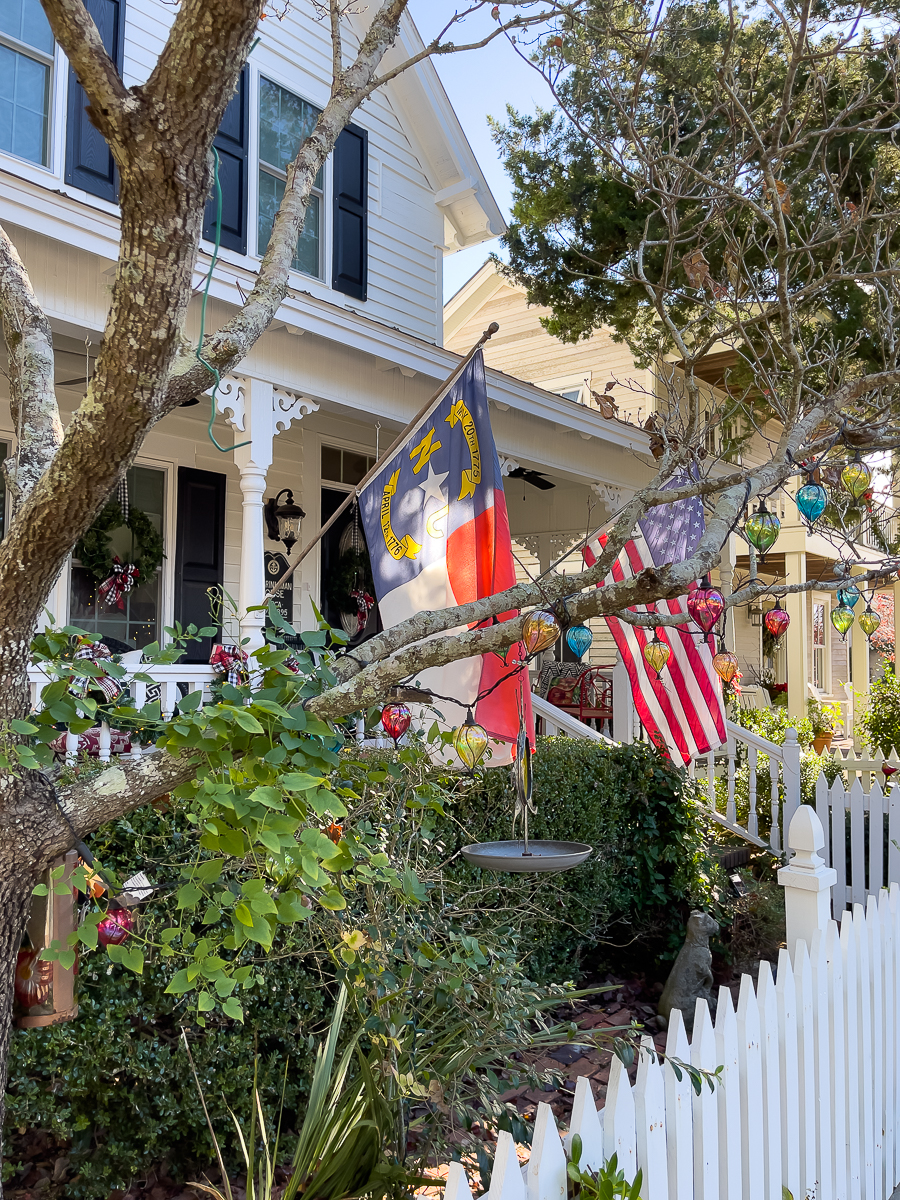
848 596
811 501
579 639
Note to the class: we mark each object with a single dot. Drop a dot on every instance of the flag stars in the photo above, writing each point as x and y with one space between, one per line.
432 485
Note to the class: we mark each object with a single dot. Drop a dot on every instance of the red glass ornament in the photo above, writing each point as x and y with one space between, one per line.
395 718
705 605
776 620
115 927
32 982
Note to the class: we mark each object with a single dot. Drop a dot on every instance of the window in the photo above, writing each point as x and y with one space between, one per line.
26 61
818 646
284 121
345 466
137 624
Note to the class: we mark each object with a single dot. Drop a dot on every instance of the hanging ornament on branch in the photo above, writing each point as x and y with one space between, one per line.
539 631
579 639
396 719
842 620
868 621
856 477
470 742
776 621
762 528
705 605
657 654
726 665
848 597
811 501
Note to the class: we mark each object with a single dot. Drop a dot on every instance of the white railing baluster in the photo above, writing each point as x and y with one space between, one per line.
774 833
752 770
824 814
72 740
876 838
104 742
841 890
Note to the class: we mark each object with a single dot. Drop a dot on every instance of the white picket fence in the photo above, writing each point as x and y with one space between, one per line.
809 1091
862 836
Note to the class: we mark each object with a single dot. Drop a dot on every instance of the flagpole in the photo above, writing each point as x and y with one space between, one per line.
423 413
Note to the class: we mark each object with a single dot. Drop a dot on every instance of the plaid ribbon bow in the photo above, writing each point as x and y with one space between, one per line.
231 661
112 591
82 685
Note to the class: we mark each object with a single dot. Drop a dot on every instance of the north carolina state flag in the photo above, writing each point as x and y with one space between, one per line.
438 535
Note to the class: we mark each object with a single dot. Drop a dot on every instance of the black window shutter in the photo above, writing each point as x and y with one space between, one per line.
351 216
89 163
231 144
199 551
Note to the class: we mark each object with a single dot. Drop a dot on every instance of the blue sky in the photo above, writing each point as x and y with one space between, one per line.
480 83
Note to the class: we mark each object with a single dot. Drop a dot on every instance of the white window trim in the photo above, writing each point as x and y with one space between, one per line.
823 598
56 117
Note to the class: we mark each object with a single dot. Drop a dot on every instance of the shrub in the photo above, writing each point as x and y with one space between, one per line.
879 727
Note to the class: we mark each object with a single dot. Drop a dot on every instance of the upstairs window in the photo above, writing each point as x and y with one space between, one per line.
26 62
284 121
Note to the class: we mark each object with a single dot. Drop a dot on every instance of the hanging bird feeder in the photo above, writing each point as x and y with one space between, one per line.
842 620
539 630
776 620
811 501
856 477
45 991
470 742
657 654
525 855
868 621
705 605
762 528
579 639
848 597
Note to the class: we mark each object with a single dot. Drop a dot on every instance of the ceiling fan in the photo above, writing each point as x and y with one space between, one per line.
535 478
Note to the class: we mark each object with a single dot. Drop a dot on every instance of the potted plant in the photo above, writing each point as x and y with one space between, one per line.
823 718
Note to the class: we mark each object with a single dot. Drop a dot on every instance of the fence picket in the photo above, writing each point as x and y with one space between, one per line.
786 1003
822 1036
586 1122
704 1108
864 1051
728 1098
894 909
876 999
506 1178
893 803
750 1065
823 811
545 1178
850 964
888 1007
857 843
839 893
806 1065
619 1136
876 839
650 1121
771 1076
840 1162
457 1184
679 1128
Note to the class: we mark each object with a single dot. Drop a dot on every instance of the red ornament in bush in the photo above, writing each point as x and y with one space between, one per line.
115 927
395 718
776 620
705 605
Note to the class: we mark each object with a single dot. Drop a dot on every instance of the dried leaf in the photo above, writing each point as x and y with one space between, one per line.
696 268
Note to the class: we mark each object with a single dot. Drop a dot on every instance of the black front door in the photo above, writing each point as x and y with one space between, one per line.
199 552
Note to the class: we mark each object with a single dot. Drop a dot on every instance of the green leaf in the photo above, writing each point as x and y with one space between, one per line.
333 900
189 895
205 1002
133 959
245 719
300 781
243 914
24 727
232 1009
180 984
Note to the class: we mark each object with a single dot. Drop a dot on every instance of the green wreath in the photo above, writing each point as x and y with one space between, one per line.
352 572
95 553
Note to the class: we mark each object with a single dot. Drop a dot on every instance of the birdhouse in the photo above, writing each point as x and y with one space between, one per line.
45 991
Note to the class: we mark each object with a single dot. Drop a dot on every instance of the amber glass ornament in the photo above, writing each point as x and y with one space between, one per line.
726 665
776 620
657 654
395 718
540 630
705 605
842 619
470 742
856 478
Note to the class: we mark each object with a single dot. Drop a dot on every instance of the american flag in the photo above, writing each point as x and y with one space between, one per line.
683 711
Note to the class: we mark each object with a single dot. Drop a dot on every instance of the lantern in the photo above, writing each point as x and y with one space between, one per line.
842 619
657 654
395 718
470 742
540 630
776 620
115 927
848 596
762 528
45 991
579 639
705 605
283 520
726 665
869 621
856 477
811 501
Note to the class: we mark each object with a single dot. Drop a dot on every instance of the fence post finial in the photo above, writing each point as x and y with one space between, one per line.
806 880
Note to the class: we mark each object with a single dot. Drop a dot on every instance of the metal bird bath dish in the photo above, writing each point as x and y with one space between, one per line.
524 855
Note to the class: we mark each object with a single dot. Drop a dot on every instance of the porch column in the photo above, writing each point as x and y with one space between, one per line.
252 580
726 586
797 650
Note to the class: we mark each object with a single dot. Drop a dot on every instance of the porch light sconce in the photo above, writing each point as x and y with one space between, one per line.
756 614
283 520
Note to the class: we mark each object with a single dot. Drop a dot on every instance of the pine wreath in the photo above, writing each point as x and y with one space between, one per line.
95 552
351 572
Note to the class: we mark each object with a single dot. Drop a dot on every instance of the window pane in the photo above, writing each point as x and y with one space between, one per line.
331 463
306 258
24 105
354 467
284 121
25 20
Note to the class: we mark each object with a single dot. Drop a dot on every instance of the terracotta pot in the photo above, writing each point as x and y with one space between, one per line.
822 742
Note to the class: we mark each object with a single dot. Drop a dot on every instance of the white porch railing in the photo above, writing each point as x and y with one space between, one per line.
169 684
808 1097
558 722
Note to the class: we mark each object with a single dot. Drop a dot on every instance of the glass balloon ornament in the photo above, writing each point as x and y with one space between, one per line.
579 639
115 927
776 620
395 718
868 621
726 665
842 620
540 630
848 596
470 742
856 478
811 501
762 528
705 605
657 654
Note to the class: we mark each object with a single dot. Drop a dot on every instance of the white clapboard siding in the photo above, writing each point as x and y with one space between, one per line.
806 1101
